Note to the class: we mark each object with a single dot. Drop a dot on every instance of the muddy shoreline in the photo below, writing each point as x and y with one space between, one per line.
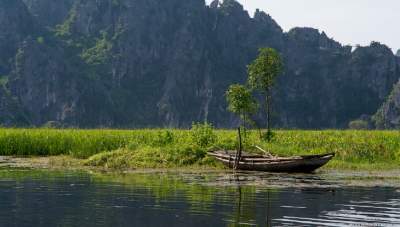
324 178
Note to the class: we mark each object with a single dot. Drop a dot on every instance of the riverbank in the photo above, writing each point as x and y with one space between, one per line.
47 167
169 149
67 162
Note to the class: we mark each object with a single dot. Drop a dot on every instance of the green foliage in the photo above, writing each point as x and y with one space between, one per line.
52 124
354 149
268 135
116 3
149 157
170 148
203 134
40 39
179 148
349 146
358 125
64 30
3 80
98 54
71 38
79 143
165 137
262 72
240 101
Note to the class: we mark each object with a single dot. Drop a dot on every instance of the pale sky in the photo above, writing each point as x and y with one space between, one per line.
347 21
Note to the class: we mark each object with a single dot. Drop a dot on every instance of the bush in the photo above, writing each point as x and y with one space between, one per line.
150 157
40 40
164 138
203 135
52 125
359 125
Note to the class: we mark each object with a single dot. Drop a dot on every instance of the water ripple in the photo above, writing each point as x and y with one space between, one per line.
357 213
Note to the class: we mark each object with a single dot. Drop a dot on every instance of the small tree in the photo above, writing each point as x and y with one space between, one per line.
262 73
358 125
241 102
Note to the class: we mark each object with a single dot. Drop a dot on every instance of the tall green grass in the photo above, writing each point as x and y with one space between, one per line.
169 148
79 143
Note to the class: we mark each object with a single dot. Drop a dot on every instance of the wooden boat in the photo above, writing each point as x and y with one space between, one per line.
297 164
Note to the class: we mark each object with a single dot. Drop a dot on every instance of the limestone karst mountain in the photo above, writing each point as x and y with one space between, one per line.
154 63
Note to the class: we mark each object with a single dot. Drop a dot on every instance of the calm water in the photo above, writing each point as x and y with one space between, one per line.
48 198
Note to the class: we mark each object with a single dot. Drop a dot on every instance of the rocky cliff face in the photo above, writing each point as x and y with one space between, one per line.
327 85
49 13
152 63
388 115
45 83
15 24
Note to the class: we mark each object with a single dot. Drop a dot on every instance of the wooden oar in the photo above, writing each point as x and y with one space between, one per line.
266 152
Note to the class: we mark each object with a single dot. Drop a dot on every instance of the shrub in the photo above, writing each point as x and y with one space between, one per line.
150 157
52 125
165 137
359 125
40 40
203 135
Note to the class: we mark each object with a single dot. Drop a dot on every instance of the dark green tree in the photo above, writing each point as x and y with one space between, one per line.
262 74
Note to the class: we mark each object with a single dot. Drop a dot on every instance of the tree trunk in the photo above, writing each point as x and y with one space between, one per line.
239 151
269 113
268 110
244 128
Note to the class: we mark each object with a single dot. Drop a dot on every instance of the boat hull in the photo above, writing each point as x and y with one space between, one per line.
300 164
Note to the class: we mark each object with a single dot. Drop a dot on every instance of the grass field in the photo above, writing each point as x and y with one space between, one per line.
164 148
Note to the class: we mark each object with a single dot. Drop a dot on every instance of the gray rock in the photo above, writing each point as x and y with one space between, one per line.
15 24
154 63
49 13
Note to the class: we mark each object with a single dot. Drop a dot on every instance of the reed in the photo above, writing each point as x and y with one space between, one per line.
177 148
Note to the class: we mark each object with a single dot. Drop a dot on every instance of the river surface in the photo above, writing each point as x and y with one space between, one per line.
64 198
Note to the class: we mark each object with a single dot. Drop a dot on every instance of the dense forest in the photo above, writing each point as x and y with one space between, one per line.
157 63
